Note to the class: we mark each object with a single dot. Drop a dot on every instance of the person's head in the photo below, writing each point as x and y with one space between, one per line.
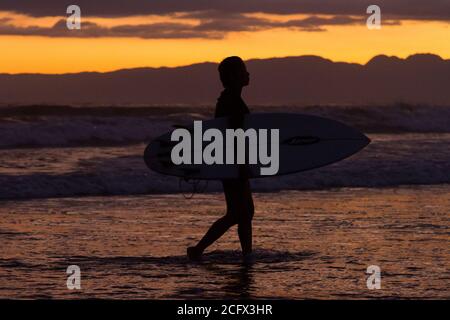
233 73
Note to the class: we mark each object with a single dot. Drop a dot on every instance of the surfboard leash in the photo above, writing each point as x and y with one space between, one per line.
195 187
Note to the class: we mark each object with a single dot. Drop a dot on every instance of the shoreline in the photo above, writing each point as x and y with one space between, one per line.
220 193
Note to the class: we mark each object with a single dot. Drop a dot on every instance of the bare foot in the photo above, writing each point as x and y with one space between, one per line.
248 258
194 254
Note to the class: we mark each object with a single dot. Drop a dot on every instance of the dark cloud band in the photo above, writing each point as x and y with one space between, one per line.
399 9
207 28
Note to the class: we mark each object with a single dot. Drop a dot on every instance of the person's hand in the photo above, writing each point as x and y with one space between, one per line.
244 171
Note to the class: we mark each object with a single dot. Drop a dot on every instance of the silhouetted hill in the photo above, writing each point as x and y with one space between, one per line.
420 78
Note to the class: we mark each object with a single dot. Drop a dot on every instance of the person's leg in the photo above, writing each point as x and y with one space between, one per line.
216 231
245 218
220 226
245 236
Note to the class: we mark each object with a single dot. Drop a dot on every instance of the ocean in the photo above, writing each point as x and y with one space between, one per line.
74 190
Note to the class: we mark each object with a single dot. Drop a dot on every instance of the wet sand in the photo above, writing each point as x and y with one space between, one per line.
309 244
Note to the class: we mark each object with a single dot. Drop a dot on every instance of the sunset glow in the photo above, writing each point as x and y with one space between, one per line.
349 43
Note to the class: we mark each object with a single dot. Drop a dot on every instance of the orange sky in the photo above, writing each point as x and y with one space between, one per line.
354 43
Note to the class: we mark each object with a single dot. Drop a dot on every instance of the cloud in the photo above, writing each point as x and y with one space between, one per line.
215 18
394 9
93 30
215 28
238 22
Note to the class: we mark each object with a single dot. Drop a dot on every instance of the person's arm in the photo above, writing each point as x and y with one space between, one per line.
236 121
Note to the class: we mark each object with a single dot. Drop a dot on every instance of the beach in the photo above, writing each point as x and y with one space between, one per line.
122 122
308 244
74 190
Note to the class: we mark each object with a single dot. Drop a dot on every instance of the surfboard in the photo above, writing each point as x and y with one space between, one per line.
305 142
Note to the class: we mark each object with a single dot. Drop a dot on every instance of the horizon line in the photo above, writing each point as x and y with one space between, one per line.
214 62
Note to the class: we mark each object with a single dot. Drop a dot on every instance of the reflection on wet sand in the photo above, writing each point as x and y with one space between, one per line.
311 244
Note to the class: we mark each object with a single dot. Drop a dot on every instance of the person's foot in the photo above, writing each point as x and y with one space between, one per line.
194 253
248 258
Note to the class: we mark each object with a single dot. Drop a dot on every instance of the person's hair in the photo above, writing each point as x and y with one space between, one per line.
228 67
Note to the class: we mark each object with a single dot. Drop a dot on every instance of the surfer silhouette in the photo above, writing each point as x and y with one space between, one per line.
234 76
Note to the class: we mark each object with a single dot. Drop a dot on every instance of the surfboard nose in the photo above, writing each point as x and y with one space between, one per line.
366 139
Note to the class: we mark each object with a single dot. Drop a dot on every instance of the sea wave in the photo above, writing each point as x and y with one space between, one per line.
42 126
390 160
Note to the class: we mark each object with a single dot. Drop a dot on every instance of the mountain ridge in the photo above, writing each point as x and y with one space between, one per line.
418 79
